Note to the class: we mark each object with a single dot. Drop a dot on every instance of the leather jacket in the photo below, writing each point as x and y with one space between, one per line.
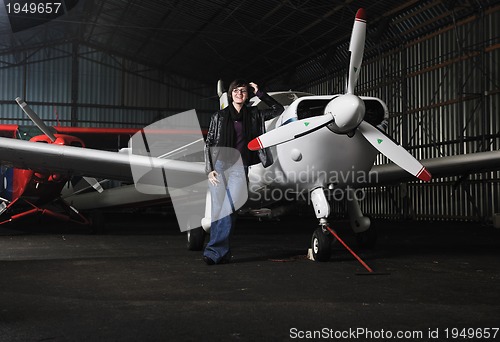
258 118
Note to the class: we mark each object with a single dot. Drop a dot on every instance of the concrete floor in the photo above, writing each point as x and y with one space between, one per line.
139 283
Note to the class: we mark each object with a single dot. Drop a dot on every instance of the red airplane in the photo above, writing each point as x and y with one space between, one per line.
26 192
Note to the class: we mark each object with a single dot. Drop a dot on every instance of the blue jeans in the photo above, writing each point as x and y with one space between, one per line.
227 197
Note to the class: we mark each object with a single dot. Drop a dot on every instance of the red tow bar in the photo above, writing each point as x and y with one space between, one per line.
350 250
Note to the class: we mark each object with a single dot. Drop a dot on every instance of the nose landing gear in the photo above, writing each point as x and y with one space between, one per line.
324 236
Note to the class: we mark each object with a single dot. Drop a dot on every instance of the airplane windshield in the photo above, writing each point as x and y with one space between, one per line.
284 98
28 132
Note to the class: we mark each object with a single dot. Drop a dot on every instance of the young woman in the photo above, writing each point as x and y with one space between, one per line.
227 159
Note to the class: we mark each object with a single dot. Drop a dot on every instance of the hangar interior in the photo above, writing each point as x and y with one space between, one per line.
127 63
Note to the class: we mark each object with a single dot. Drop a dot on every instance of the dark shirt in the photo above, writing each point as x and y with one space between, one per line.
240 140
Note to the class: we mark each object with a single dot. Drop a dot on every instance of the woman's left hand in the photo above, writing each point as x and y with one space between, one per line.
212 178
254 86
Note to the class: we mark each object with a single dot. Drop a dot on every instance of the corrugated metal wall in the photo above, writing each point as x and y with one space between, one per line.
443 94
111 91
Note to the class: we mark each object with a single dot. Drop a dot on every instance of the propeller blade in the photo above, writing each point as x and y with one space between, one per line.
94 183
46 130
293 130
35 118
220 88
393 151
223 98
357 48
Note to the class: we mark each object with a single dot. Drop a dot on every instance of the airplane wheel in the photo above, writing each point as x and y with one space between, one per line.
195 239
367 239
320 244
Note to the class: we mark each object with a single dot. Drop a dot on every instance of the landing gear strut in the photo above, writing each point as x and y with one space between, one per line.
70 214
321 240
323 236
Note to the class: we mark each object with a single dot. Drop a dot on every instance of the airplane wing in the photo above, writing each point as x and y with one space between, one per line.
458 165
76 161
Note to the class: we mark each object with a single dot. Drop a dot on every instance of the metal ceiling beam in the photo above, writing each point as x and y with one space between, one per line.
121 18
192 36
154 31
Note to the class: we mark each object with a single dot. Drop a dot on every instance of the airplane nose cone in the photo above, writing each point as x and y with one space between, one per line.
348 111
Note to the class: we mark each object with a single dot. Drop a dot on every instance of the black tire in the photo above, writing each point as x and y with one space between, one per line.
195 239
367 239
321 245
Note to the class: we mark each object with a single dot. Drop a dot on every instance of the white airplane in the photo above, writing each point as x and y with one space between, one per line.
320 145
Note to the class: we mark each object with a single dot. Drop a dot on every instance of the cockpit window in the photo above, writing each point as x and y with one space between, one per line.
284 98
28 132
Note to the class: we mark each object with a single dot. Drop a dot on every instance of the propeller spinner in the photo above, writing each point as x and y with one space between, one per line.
348 111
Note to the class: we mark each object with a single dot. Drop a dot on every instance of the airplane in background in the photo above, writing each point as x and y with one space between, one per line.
320 145
25 192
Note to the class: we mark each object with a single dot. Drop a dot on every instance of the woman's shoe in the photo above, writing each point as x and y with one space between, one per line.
227 259
208 261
